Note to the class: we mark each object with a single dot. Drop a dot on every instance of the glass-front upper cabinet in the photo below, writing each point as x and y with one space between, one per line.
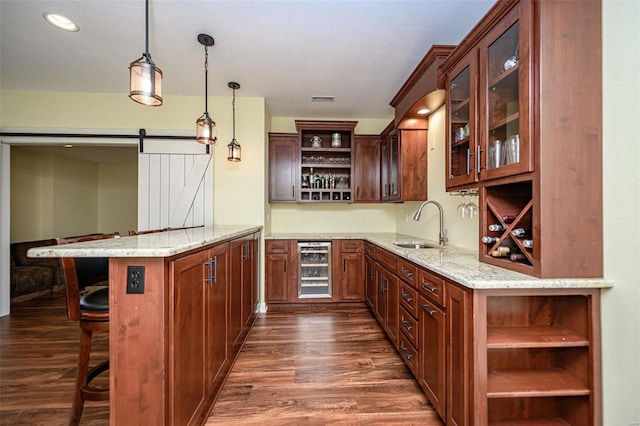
461 123
505 143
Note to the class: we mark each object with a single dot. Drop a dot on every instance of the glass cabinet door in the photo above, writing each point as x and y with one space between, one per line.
504 93
461 149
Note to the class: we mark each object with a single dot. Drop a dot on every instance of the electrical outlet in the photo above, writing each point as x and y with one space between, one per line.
135 279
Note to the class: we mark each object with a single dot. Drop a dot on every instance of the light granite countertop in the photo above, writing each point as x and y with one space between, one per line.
458 264
161 244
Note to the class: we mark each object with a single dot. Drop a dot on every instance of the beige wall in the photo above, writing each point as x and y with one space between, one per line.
31 195
621 151
117 197
56 196
460 232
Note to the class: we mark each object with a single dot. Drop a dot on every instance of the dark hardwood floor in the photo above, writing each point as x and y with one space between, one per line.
311 367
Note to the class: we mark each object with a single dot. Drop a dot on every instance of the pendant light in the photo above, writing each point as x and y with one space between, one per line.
205 126
145 79
234 146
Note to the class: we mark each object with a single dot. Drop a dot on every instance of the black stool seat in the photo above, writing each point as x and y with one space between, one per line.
95 301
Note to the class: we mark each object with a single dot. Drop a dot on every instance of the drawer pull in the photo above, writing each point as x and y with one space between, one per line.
277 247
406 298
428 309
426 286
406 273
406 325
406 354
351 246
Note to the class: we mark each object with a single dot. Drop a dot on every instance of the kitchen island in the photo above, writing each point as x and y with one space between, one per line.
487 345
181 305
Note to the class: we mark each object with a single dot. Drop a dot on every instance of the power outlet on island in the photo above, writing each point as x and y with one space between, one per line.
135 279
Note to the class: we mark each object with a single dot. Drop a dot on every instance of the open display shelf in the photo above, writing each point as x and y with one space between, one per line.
326 166
539 358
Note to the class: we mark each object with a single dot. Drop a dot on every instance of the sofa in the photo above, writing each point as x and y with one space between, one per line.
32 277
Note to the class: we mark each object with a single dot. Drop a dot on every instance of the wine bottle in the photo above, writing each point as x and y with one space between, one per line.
496 227
519 232
498 253
508 218
505 249
527 243
489 240
517 257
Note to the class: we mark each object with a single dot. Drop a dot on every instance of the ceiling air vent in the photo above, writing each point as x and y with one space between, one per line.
323 98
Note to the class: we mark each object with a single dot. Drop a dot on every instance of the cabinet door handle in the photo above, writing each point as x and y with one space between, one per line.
245 251
406 273
215 269
406 297
406 354
382 280
284 262
469 160
478 165
293 191
426 286
406 325
208 279
427 308
344 265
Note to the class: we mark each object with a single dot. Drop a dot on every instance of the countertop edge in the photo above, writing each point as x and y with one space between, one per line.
162 244
465 268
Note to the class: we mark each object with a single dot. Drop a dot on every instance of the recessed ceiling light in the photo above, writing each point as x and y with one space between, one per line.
424 111
61 22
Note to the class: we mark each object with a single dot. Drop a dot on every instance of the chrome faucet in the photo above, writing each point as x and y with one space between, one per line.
441 237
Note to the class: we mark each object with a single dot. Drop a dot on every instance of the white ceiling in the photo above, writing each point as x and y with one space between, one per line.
361 52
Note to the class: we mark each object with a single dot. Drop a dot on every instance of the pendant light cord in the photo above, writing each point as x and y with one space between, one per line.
206 78
234 114
147 30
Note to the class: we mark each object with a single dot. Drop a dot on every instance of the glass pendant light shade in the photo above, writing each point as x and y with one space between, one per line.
205 126
145 79
145 82
234 151
206 130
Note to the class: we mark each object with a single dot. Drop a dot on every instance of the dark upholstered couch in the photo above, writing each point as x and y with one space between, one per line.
32 277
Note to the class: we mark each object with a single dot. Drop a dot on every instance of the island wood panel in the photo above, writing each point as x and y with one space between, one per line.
138 350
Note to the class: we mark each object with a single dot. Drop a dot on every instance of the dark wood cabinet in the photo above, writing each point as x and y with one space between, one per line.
348 270
389 303
283 167
279 272
371 284
366 178
403 160
190 372
241 290
432 350
459 356
199 329
517 127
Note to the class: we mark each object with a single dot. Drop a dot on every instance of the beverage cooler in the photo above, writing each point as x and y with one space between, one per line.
314 269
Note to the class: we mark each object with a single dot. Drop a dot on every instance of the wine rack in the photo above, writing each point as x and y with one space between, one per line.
510 207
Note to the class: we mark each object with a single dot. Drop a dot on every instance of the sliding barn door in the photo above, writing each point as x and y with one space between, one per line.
175 184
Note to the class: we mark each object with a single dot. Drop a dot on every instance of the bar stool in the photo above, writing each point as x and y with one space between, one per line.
91 310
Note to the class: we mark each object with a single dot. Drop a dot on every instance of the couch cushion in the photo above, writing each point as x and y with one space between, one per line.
30 279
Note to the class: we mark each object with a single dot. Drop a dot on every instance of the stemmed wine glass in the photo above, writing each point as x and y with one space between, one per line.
461 210
471 209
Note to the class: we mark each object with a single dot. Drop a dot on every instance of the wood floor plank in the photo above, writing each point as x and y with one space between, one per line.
306 367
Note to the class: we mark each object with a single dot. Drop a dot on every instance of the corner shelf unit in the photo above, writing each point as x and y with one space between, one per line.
540 360
326 170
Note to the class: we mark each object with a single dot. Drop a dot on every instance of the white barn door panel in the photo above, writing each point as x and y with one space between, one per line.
175 185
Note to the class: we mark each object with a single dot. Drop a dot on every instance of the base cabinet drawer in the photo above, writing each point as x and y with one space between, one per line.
408 353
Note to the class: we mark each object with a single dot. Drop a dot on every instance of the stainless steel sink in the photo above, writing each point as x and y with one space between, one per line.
415 244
